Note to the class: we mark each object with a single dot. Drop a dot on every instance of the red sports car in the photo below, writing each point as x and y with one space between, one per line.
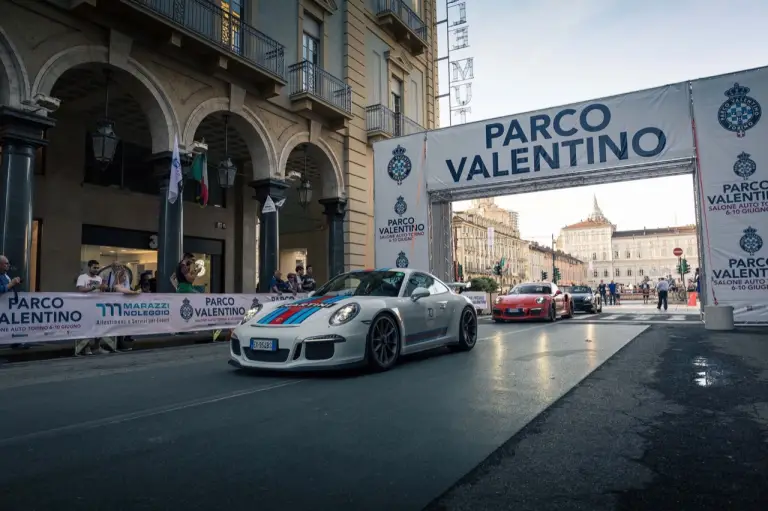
535 300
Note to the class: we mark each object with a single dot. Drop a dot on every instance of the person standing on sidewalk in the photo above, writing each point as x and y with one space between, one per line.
612 293
91 282
6 283
663 291
601 290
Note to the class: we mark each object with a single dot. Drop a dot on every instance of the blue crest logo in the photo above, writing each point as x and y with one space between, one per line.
401 206
255 303
399 166
402 260
186 310
751 242
740 112
744 166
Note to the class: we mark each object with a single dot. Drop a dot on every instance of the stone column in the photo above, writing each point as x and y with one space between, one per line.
21 133
335 210
170 234
269 234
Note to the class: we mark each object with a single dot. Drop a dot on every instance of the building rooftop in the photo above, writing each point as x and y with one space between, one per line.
595 219
663 231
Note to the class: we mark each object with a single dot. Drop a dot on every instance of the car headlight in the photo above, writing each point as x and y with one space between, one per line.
540 299
345 314
250 314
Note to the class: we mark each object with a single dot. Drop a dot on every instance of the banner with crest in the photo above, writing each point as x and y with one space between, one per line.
732 143
46 317
401 203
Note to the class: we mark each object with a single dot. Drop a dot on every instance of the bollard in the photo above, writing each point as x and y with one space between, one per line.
718 317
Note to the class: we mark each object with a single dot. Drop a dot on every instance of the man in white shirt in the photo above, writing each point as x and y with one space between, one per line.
663 289
91 282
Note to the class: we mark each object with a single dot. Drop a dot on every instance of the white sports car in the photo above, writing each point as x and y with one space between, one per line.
366 316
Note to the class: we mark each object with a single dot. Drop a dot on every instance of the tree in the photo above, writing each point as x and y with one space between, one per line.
484 284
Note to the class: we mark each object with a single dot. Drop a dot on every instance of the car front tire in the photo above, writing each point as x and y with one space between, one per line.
467 330
383 344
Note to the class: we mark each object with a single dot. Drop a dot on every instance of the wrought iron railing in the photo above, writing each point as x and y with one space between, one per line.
381 118
400 9
307 78
223 28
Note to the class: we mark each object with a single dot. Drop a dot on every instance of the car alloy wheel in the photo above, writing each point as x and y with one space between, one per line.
384 342
468 329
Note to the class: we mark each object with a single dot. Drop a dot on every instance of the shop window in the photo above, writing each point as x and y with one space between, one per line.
34 256
139 261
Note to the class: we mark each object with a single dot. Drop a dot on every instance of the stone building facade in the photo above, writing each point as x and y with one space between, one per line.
284 97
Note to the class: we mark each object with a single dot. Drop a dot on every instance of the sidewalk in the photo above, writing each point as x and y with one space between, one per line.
641 308
66 349
677 420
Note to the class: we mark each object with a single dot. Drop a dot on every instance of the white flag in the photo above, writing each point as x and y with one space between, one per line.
280 203
175 181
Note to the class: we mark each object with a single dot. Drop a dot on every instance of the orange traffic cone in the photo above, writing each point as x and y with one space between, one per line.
692 298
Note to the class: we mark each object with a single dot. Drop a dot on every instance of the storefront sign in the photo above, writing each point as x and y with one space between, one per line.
39 317
733 162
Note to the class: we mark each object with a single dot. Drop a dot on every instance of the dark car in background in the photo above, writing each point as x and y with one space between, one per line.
585 299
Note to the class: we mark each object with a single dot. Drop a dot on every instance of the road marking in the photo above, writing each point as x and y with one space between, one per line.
513 332
152 412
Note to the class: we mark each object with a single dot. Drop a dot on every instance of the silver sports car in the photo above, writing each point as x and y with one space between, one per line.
367 316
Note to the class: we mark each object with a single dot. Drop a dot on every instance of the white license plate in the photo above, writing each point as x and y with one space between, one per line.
264 344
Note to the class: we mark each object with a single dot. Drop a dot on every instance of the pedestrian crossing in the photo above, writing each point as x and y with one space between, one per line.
656 317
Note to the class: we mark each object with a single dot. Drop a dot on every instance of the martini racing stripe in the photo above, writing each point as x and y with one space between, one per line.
299 318
298 311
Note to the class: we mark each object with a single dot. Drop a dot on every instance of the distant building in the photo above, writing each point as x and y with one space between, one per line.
474 253
572 270
628 257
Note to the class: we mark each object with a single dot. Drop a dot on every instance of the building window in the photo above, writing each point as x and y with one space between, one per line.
641 272
629 272
616 254
396 101
604 257
231 33
618 272
628 254
310 51
594 256
594 273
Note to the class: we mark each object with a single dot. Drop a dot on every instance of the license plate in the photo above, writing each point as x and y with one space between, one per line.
514 311
264 344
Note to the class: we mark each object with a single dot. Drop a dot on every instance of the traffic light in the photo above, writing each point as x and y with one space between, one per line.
543 275
683 268
556 275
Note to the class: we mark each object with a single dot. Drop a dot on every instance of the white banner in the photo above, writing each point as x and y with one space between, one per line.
637 128
401 204
40 317
479 299
733 161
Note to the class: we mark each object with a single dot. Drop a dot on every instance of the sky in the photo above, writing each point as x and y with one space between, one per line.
535 54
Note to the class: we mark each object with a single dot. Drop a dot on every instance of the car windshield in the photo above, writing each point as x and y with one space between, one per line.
364 283
581 289
532 289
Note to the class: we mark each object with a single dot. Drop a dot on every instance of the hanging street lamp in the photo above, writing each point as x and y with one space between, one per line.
227 169
305 187
104 139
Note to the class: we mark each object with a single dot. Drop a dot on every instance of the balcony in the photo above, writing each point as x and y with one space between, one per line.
200 30
317 94
398 18
382 123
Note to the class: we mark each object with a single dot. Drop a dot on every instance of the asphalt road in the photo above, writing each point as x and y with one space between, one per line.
179 429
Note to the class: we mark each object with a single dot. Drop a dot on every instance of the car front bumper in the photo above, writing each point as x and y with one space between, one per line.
508 313
318 350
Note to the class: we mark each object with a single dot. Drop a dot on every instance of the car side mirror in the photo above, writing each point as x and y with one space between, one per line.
419 293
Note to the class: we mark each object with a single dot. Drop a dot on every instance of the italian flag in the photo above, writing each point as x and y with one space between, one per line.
200 175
